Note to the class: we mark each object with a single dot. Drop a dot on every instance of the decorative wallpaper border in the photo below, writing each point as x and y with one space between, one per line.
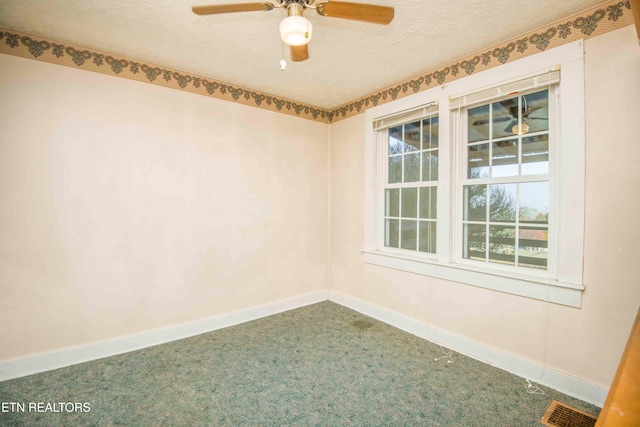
34 47
591 23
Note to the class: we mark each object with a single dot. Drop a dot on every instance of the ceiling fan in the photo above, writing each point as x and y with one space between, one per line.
511 106
295 29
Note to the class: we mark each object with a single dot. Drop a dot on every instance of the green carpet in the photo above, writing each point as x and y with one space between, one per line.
320 365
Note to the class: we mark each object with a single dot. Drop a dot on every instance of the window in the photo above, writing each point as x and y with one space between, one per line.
481 181
410 206
507 181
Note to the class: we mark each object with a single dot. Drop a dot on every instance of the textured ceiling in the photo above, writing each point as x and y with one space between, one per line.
348 59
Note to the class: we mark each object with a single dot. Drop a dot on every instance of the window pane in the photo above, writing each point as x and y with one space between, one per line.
392 202
427 236
430 133
534 202
535 155
478 161
505 116
395 169
428 202
391 233
478 129
412 167
475 202
409 234
430 165
412 137
536 111
502 202
502 244
395 140
475 246
504 158
409 203
533 247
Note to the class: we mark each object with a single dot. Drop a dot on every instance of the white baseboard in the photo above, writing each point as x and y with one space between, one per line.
57 359
540 374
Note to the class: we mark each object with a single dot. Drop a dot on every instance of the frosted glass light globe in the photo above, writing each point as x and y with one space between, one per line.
295 30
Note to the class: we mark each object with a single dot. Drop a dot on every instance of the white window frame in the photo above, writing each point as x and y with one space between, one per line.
562 282
383 124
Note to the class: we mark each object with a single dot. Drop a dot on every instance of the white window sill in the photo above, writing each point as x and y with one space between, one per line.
540 288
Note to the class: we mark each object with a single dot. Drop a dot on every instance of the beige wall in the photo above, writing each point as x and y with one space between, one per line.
126 207
585 343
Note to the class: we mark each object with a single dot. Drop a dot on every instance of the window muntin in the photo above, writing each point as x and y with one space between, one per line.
506 187
410 188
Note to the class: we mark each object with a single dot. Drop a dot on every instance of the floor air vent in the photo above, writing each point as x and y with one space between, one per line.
561 415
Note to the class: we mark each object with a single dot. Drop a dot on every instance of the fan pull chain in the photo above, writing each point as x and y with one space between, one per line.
283 63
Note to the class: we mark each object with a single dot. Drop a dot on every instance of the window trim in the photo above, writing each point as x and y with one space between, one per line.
565 284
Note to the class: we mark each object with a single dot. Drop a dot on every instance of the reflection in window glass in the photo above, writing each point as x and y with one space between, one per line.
412 167
502 244
535 107
427 236
533 247
409 234
430 133
478 161
430 165
534 202
502 202
409 203
395 140
395 169
412 137
428 202
504 158
535 155
505 116
475 202
392 202
478 128
475 242
391 233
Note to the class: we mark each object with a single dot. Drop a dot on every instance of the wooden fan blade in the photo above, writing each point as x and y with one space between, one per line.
227 8
357 12
299 53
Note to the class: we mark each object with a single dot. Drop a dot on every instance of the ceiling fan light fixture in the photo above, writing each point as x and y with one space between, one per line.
296 30
520 129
